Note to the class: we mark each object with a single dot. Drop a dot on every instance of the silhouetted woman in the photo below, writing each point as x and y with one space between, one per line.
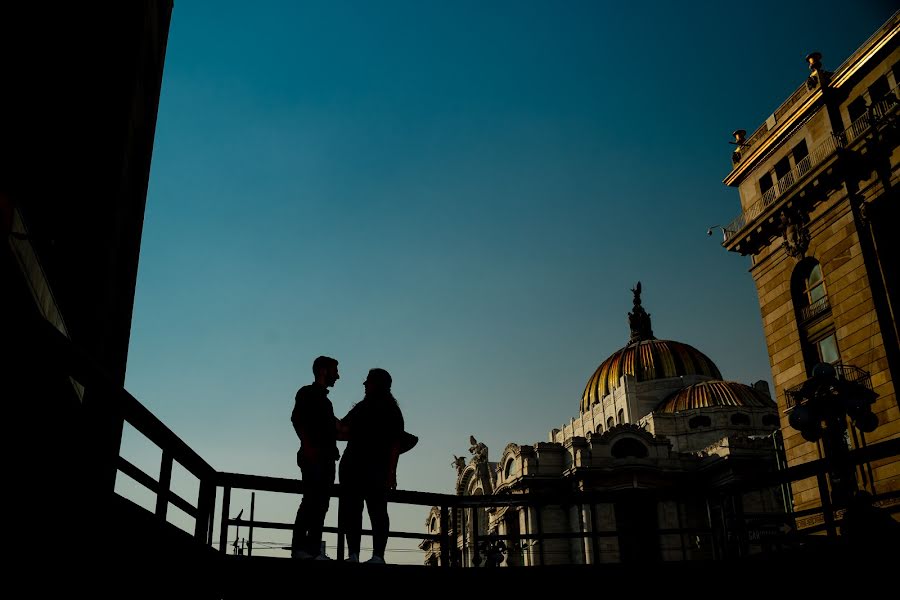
369 465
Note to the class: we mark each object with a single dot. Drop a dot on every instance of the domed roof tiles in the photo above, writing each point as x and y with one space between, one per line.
710 394
646 360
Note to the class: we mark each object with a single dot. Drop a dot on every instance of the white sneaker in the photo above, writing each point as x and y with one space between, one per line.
354 558
375 560
322 557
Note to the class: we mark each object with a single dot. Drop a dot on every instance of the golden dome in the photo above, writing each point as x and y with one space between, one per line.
709 394
646 360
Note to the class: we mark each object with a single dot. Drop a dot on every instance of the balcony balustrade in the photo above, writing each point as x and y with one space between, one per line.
875 113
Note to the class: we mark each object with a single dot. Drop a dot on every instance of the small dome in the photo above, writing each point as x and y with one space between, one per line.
710 394
646 360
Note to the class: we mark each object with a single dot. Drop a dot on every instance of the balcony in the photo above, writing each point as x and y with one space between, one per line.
817 308
876 114
783 185
873 115
846 373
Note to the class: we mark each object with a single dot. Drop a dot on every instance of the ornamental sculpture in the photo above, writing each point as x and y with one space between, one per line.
478 449
796 236
639 319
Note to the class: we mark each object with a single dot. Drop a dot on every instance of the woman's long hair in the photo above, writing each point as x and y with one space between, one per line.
382 386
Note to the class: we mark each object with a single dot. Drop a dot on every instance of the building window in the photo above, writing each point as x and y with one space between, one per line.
621 416
765 184
801 157
508 471
827 350
433 523
813 312
629 447
740 419
810 294
699 421
879 89
815 284
782 168
610 423
856 109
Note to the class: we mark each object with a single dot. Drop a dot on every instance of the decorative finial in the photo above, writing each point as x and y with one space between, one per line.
639 319
815 61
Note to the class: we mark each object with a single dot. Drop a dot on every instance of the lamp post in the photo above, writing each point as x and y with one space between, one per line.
820 408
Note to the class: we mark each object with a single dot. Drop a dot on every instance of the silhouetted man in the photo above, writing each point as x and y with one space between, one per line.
316 426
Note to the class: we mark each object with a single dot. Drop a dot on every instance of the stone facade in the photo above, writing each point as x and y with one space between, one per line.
818 185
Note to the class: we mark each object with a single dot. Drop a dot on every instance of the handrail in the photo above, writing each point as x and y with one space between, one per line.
129 409
151 484
683 489
118 403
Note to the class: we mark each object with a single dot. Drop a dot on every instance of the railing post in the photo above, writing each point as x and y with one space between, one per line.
824 496
205 506
445 537
165 482
595 543
211 514
540 533
252 518
466 524
226 507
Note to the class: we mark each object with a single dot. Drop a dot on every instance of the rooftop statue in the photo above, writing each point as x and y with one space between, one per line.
459 462
478 449
639 319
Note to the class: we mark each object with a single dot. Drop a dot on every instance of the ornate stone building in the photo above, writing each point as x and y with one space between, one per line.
818 188
658 435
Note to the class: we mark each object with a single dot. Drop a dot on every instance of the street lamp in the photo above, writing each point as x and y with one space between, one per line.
820 408
709 231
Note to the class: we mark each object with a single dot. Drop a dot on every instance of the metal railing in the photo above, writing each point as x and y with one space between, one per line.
785 183
875 114
794 395
762 131
820 306
726 537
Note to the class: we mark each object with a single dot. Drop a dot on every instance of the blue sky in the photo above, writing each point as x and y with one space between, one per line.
462 193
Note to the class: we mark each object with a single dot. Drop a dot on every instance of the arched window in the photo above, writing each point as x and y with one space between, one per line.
629 447
809 291
740 419
813 311
610 423
508 471
621 416
433 524
699 421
